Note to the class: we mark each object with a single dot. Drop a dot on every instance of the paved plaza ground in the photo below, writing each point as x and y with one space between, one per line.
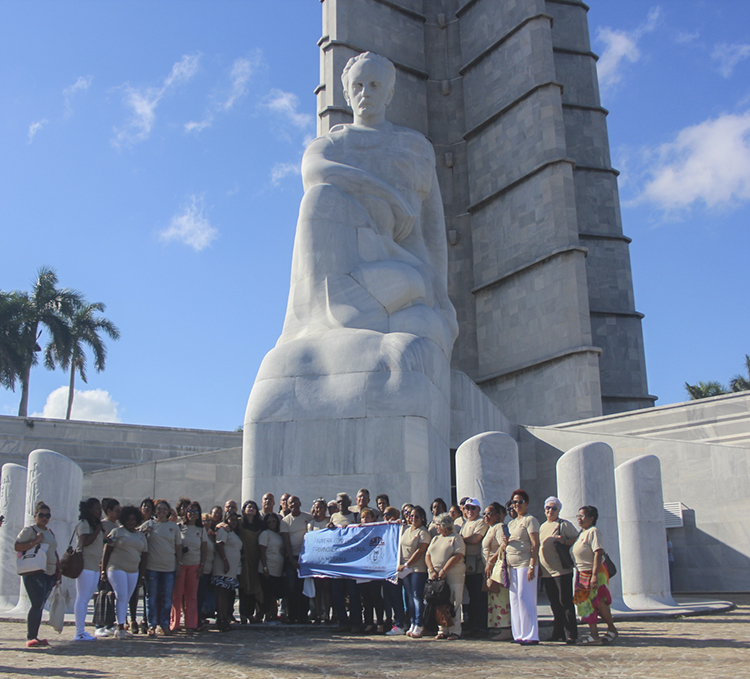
711 647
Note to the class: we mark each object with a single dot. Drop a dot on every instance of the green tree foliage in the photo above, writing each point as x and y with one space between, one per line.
740 383
85 327
70 323
705 390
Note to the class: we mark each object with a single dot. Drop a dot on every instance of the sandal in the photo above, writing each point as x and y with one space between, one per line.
441 636
453 637
588 640
609 637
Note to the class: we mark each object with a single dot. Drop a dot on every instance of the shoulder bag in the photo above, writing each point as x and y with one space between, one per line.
71 563
563 550
32 560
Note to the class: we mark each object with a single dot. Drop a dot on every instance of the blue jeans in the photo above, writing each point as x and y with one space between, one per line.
414 590
159 588
38 586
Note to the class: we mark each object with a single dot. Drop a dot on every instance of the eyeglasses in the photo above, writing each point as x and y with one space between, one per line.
193 511
44 515
550 509
518 502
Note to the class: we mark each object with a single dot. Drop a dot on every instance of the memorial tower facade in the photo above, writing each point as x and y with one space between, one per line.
539 268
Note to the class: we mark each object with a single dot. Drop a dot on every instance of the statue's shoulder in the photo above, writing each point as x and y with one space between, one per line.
415 140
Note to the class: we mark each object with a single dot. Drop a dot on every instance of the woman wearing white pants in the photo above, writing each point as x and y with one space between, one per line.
522 553
124 563
90 542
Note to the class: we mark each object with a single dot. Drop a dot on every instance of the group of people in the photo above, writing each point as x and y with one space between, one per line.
192 566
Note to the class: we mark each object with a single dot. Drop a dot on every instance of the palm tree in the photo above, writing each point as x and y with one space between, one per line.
740 383
50 307
84 329
11 344
704 390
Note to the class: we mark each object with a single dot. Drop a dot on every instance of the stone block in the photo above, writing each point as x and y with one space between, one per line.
487 468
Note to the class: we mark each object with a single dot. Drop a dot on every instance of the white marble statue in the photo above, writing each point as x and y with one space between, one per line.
369 327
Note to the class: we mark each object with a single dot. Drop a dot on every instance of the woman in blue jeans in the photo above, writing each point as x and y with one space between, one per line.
38 584
415 539
163 564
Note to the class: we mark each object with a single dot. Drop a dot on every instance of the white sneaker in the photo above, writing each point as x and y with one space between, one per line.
417 633
103 632
84 636
395 631
123 634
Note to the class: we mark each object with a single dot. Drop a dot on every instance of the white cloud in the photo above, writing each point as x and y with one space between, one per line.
683 37
281 170
621 46
729 56
35 127
190 226
82 84
287 104
91 405
706 163
199 126
143 102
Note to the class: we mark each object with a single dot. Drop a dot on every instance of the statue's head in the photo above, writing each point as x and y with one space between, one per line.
369 82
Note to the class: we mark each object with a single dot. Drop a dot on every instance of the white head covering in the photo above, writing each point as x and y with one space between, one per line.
552 500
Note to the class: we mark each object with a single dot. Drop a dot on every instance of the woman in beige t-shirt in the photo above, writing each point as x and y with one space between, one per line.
412 549
592 597
522 553
163 565
38 584
445 561
226 569
557 579
124 563
493 548
194 550
90 542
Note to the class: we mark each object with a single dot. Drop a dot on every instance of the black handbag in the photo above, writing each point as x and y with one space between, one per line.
71 563
104 605
437 593
563 551
611 568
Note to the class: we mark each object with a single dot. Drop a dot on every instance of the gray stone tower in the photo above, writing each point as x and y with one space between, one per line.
539 269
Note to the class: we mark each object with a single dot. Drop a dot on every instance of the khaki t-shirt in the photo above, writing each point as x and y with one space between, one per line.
317 525
519 545
295 527
442 548
232 550
492 541
192 538
108 526
127 548
92 555
274 544
48 538
410 541
163 539
476 527
341 520
549 559
588 542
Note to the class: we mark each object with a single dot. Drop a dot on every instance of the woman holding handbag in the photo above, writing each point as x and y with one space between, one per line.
556 537
445 561
493 552
90 543
38 566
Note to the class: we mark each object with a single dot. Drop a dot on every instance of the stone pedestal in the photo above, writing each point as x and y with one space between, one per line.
12 499
643 535
316 431
56 481
586 476
487 468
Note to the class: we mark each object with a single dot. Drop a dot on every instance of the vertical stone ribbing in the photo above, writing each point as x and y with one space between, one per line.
615 324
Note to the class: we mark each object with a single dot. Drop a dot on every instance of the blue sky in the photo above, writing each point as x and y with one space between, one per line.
150 155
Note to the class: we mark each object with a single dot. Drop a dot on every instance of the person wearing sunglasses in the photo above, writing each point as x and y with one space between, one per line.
522 553
557 576
194 552
592 597
38 584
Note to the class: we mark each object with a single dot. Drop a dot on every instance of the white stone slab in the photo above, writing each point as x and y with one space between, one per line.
487 468
643 535
12 507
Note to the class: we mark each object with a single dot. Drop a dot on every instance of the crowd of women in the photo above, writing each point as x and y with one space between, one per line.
191 566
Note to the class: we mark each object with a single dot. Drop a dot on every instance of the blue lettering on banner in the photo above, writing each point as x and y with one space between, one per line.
366 552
